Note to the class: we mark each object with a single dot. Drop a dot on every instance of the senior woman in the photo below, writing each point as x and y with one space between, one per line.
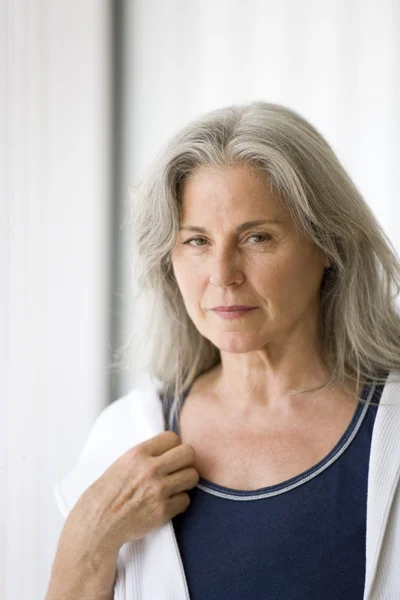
263 459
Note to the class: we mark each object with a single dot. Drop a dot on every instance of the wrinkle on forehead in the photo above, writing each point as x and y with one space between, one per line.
212 184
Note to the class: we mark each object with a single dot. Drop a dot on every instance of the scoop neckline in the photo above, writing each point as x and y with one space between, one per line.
367 393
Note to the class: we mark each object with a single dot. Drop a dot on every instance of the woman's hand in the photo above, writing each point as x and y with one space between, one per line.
139 492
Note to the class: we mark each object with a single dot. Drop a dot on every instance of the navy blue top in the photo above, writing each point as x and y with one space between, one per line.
303 539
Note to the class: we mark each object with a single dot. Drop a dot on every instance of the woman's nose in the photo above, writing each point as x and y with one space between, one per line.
225 270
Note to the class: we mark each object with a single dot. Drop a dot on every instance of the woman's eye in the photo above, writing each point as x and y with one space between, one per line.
255 235
193 240
260 235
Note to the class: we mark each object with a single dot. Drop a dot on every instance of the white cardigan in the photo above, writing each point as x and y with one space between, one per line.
151 568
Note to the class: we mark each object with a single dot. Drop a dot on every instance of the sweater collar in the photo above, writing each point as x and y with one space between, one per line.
383 475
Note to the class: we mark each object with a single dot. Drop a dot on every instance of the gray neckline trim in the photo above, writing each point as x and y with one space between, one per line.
259 496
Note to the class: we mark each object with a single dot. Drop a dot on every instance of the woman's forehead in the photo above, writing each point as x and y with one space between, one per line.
233 188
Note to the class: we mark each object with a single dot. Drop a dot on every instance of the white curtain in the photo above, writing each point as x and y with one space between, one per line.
54 242
337 62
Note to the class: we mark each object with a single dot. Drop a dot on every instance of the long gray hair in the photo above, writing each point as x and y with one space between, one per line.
359 319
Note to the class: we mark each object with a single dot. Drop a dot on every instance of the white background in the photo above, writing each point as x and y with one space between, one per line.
77 129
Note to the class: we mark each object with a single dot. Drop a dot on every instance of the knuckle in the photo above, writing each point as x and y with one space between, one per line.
160 488
154 487
135 451
130 456
151 470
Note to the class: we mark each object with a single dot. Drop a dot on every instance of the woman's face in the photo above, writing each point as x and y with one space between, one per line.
270 266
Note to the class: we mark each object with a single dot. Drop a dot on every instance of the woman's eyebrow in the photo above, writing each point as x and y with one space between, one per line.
240 228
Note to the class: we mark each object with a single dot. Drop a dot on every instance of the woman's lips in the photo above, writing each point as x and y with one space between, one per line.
233 314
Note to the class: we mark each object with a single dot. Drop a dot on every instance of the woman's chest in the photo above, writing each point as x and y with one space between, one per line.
253 454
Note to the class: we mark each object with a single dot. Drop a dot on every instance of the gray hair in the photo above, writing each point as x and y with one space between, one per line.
359 320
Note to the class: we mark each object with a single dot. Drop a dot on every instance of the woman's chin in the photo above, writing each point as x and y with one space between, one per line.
237 341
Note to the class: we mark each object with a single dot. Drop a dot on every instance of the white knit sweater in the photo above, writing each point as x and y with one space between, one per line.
151 568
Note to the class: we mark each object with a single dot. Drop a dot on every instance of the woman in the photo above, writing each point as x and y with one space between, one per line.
273 336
